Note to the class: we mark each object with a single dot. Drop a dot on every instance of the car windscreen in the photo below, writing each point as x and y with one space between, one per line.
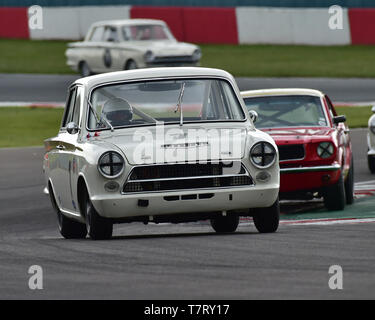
167 101
145 32
287 111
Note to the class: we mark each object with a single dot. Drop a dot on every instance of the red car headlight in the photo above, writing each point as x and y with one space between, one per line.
325 150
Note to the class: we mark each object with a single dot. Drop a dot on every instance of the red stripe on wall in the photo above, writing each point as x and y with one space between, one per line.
173 16
200 25
14 23
362 26
210 25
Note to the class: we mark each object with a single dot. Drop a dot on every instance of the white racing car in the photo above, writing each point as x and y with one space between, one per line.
371 142
160 145
129 44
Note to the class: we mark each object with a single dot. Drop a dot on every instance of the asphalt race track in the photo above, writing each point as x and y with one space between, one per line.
186 261
53 88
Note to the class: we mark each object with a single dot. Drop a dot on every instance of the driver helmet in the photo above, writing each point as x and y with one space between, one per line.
118 111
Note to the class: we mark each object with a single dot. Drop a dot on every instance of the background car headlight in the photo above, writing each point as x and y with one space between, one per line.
111 164
149 56
197 55
263 154
325 150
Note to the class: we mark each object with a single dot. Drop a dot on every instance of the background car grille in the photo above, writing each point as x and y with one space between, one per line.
172 59
291 152
186 176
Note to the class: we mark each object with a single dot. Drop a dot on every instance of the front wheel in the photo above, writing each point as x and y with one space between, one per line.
131 65
85 69
68 228
225 224
266 220
334 196
371 163
98 228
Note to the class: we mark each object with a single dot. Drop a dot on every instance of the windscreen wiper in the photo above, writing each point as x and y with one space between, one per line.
101 119
179 104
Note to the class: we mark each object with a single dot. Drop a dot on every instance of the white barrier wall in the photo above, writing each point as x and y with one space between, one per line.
289 26
73 22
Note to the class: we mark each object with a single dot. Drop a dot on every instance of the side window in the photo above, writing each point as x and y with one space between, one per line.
69 108
77 105
97 34
110 34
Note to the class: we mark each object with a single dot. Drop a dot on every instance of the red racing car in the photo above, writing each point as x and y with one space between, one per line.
315 149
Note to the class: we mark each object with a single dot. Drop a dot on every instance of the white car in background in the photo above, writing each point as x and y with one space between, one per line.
129 44
160 145
371 142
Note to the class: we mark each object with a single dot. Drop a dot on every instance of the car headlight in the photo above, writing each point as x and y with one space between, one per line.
197 55
325 149
111 164
372 126
263 154
149 56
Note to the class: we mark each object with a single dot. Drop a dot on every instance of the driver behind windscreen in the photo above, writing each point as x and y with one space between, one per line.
118 112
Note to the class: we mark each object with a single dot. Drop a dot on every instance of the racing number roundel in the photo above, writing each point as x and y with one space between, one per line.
107 58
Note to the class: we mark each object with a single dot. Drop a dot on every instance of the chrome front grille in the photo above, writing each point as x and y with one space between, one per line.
182 176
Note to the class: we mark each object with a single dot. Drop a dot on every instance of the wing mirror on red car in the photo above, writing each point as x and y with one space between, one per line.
339 119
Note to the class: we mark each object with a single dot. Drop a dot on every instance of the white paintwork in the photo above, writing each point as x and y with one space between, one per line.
371 137
123 51
289 26
85 152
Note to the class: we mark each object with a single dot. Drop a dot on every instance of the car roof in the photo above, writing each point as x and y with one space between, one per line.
127 22
281 92
150 73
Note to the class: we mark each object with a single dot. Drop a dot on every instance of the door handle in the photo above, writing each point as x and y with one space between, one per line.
60 147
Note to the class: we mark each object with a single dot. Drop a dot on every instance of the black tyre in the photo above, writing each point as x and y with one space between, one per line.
371 163
131 65
98 228
349 185
84 69
68 228
227 224
266 220
334 196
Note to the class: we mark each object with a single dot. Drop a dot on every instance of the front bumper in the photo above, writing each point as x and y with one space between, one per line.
308 178
238 198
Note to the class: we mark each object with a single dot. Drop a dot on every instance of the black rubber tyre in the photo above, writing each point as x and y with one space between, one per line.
349 185
68 228
266 220
84 69
131 65
334 196
227 224
371 163
98 228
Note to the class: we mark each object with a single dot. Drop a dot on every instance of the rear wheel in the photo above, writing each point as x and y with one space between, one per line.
225 224
68 228
349 185
84 69
98 228
266 220
371 163
334 196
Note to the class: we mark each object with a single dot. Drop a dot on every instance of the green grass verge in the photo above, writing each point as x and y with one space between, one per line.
35 56
357 117
22 127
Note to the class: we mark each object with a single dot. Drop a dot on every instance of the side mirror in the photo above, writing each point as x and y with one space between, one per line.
339 119
253 115
373 109
72 128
